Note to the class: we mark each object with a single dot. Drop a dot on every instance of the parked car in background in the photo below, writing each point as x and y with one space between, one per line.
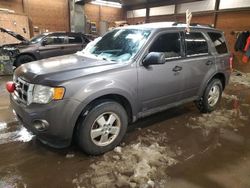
44 46
129 73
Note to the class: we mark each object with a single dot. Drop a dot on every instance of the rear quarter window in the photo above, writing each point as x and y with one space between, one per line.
219 42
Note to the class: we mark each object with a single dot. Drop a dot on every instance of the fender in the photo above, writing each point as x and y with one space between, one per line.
82 105
206 81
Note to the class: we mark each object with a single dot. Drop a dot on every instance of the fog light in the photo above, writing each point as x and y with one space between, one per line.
40 125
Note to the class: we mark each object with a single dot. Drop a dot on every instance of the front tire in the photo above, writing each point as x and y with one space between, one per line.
211 97
103 128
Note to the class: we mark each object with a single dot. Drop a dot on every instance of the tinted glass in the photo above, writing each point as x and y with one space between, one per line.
196 44
75 39
50 40
169 43
219 42
37 38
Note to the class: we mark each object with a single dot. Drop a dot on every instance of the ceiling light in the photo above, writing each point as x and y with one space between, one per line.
107 3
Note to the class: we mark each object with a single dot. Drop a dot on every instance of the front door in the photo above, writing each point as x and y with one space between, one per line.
160 85
53 45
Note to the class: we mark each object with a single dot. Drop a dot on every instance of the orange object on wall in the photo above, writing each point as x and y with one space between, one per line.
247 44
245 59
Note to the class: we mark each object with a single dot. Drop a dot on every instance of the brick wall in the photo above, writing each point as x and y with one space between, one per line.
52 15
14 22
15 5
96 13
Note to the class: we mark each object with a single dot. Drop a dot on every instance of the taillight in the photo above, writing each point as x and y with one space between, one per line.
231 63
10 86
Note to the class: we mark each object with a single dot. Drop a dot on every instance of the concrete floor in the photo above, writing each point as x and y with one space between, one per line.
176 148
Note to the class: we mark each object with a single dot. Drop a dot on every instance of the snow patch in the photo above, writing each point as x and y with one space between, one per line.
138 164
240 78
3 125
229 97
219 119
23 135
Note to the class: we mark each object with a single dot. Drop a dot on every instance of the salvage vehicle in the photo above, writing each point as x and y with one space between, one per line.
44 46
130 73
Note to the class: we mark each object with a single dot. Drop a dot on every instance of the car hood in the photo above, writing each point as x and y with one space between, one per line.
59 69
15 46
15 35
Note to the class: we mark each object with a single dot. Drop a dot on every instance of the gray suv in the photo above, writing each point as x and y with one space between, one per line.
129 73
43 46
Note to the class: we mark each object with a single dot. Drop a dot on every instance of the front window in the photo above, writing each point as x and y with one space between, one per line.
119 45
37 38
169 43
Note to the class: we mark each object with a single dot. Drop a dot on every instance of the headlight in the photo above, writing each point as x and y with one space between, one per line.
44 94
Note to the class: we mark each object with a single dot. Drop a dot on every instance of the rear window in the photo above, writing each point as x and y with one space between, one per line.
75 39
196 44
219 42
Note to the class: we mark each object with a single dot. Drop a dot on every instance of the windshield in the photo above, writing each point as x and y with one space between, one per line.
119 45
37 38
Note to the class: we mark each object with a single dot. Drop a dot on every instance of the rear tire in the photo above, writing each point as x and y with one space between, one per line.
22 59
103 128
211 97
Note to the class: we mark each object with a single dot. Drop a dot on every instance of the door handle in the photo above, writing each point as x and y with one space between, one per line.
177 69
209 63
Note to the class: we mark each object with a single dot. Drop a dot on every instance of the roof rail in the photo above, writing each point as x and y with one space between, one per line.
192 24
177 23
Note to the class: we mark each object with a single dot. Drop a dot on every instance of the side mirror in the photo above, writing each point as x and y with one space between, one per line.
44 42
154 58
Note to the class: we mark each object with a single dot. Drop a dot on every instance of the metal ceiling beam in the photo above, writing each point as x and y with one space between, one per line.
82 2
130 6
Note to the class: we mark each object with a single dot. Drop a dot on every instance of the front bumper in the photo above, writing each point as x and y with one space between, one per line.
59 114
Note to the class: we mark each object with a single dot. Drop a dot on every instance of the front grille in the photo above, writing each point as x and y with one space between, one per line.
23 92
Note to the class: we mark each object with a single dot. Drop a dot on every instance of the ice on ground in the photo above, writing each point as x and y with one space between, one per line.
70 155
3 125
219 119
229 97
240 78
23 135
138 164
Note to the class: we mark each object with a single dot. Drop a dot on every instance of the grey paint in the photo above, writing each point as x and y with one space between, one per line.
147 89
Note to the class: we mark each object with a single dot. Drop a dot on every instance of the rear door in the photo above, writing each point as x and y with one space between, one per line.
199 63
74 43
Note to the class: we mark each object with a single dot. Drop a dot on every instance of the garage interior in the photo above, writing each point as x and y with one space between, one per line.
179 147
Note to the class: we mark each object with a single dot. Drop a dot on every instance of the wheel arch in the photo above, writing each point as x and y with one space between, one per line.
25 53
218 75
85 108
